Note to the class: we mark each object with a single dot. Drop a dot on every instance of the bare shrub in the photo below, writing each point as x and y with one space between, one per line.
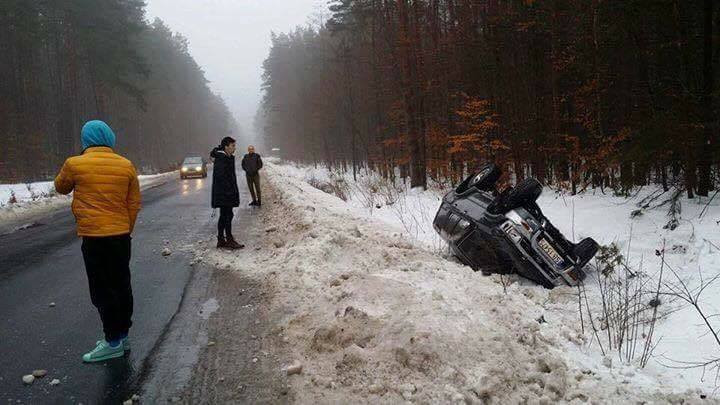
52 192
674 211
692 295
376 191
632 303
365 194
623 321
34 194
608 258
13 198
416 216
335 186
30 190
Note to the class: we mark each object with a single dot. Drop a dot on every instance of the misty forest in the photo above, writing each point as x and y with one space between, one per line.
65 62
609 94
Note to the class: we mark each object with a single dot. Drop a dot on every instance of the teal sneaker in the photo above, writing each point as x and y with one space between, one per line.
103 351
125 343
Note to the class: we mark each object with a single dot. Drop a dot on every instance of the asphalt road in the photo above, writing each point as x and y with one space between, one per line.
43 264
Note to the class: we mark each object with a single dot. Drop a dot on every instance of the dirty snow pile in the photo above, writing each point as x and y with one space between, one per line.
410 209
636 225
373 317
18 202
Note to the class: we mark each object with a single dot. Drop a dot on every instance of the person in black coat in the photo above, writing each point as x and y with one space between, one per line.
225 194
252 163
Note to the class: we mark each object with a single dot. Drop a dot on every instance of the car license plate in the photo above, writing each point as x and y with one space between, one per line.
550 251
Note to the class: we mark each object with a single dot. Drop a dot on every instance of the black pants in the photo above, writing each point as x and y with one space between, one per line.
107 263
253 181
225 222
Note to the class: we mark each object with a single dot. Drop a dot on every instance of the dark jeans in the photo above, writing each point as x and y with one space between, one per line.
253 181
107 263
225 222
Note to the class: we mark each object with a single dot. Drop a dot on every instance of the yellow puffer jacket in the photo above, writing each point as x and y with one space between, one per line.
107 193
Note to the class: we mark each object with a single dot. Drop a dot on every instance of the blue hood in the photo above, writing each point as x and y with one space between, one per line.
97 133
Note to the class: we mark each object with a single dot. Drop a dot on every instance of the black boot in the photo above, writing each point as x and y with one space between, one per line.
232 244
222 243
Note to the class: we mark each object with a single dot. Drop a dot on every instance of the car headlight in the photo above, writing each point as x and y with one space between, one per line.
197 169
460 230
184 169
511 231
525 227
514 216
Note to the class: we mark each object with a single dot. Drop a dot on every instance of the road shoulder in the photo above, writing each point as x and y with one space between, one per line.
221 346
241 362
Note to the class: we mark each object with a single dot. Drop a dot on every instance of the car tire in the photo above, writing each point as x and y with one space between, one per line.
484 179
585 250
527 191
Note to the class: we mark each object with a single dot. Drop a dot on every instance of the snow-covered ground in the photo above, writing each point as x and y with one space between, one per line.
21 202
375 311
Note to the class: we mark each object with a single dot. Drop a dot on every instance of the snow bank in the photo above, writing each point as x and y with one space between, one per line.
152 180
375 317
20 202
410 209
693 249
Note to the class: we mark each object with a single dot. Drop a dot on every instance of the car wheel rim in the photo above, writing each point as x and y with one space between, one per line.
480 175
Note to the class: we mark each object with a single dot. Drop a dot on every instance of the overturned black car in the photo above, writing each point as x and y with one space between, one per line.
506 232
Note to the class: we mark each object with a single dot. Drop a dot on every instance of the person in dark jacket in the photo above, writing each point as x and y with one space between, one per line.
252 163
225 194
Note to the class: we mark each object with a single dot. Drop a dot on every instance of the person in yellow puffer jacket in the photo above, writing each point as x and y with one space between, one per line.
106 202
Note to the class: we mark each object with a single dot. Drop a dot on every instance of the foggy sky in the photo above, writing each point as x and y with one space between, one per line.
230 39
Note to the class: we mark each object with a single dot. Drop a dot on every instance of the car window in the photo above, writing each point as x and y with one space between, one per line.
192 160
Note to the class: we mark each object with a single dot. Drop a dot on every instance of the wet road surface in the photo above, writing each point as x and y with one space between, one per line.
43 265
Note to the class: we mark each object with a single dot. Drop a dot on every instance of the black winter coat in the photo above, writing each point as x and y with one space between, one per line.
224 187
252 163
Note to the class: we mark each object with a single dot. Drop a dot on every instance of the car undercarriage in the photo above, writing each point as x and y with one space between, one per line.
506 232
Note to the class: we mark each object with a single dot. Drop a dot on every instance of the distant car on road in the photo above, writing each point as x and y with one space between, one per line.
193 166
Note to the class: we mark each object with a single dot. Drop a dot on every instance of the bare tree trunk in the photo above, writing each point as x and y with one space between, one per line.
706 136
413 102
